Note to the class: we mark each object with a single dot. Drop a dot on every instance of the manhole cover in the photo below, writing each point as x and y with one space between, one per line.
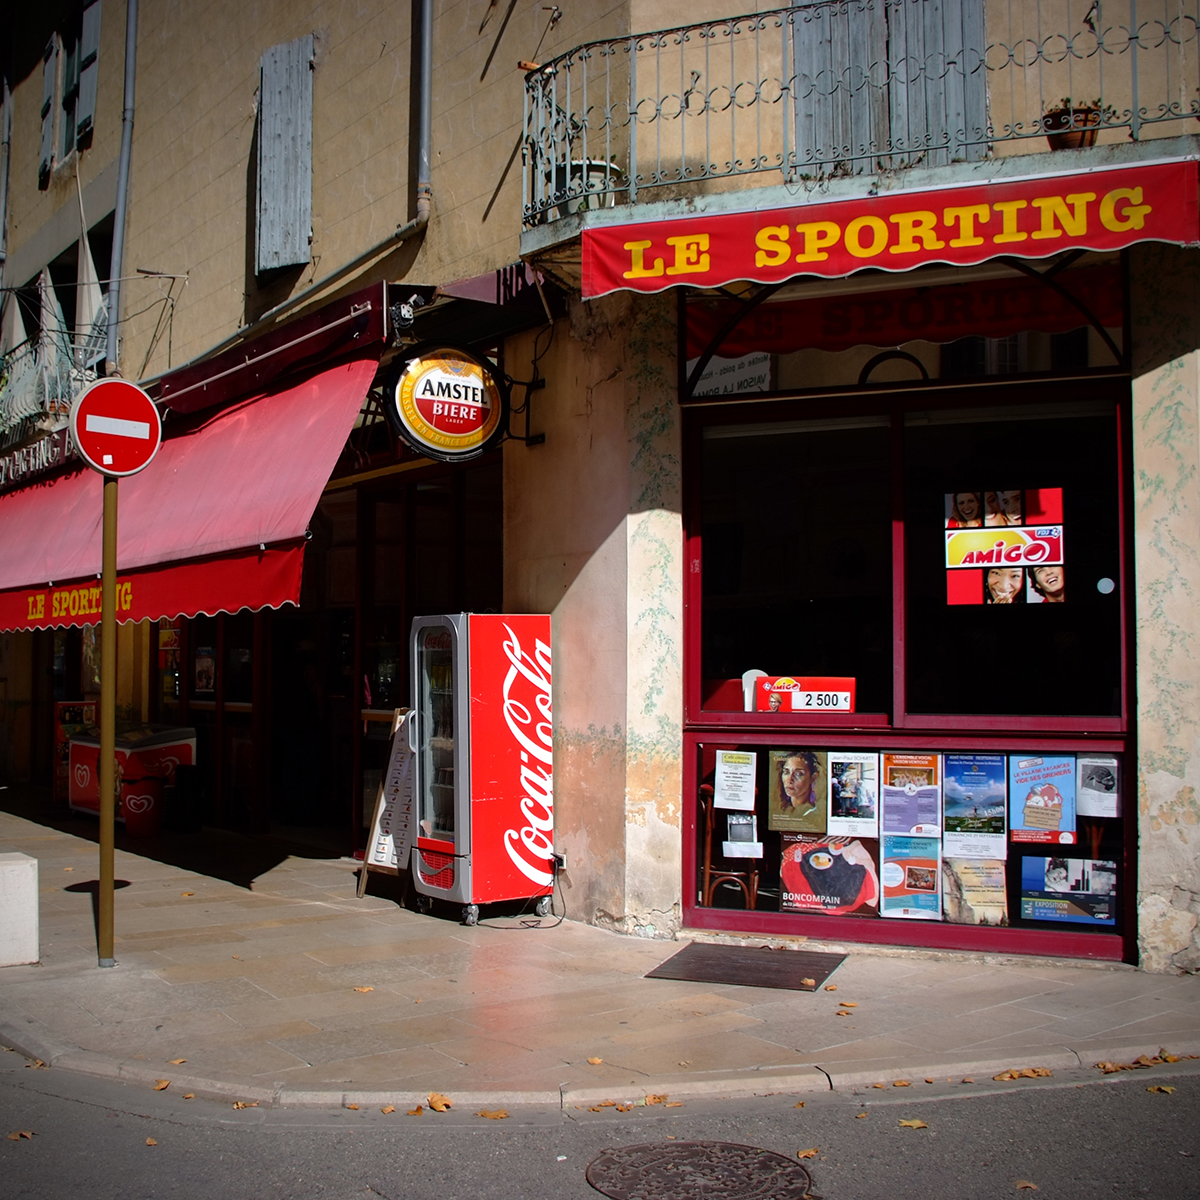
691 1170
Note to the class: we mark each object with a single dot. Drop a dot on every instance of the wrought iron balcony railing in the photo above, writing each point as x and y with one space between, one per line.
837 87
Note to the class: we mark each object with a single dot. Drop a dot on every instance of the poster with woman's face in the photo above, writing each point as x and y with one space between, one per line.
797 791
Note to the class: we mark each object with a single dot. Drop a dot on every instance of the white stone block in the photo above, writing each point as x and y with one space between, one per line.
18 910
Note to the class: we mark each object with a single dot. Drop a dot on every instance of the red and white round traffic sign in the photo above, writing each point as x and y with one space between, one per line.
115 427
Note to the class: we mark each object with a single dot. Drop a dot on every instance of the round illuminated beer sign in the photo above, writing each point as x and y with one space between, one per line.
446 403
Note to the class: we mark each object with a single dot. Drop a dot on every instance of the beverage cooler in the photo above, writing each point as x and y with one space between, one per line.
482 747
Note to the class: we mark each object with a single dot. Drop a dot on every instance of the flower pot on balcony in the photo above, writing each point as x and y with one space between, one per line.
1071 128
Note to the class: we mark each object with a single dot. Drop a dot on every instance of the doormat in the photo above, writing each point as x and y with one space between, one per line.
797 970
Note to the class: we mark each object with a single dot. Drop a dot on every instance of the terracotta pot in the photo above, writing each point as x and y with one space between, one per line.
1084 134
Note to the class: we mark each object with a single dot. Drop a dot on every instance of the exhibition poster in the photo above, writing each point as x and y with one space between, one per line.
912 795
853 793
733 782
973 891
796 799
1082 890
910 872
1099 793
834 875
974 799
1041 797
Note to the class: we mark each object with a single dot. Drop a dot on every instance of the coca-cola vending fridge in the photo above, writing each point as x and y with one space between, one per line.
482 747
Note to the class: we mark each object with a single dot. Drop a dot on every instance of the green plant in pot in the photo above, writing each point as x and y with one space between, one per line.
1071 124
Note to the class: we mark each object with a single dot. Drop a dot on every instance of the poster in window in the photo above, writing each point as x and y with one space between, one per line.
1099 788
853 793
741 836
911 874
1081 890
1041 798
975 805
796 798
912 795
206 666
834 875
973 891
733 780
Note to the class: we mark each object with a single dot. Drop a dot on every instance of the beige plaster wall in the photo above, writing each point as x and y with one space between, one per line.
1165 300
593 536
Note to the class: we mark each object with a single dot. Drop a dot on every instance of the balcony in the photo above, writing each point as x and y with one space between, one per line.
846 87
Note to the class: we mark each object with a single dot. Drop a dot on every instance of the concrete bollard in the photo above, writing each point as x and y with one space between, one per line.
18 910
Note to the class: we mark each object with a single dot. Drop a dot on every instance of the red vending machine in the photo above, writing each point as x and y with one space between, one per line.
482 746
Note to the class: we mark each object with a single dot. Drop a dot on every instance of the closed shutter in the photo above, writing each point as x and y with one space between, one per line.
89 70
284 222
49 76
938 82
840 63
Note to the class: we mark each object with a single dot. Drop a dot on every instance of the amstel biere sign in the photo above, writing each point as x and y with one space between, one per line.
446 403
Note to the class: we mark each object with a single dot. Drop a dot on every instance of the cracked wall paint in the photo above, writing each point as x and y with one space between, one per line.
1165 309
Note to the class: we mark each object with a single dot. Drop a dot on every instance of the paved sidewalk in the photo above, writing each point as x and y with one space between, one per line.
255 986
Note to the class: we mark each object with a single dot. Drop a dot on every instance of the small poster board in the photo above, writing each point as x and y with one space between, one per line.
391 835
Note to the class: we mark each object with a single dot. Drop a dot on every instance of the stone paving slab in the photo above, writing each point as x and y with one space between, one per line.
255 987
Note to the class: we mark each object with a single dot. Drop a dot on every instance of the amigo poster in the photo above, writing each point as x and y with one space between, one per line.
834 875
974 799
912 795
974 892
853 793
796 801
1083 890
1041 798
1099 786
911 872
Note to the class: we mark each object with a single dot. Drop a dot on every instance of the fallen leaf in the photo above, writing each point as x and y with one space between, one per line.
799 1105
1025 1185
175 1062
831 987
354 1107
388 1108
686 1062
438 1102
806 982
187 893
624 1108
416 1112
901 1083
595 1061
189 1095
842 1012
929 1081
1023 1073
673 1104
848 1003
608 1104
237 956
808 1153
493 1114
36 1065
151 1142
68 868
245 1104
879 1085
594 1108
653 1099
1158 1087
913 1124
364 989
859 1116
161 1084
18 1134
968 1079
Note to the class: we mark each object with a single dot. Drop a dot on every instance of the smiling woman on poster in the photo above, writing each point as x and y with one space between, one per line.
965 510
1004 585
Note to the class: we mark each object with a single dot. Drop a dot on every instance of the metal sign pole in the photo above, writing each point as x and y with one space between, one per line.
108 719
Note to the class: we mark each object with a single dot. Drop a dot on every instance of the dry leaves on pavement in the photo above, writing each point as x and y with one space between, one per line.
1023 1073
799 1105
416 1112
1158 1087
493 1114
438 1102
651 1098
831 987
1025 1185
151 1142
912 1124
189 1095
595 1061
353 1107
388 1108
1142 1061
364 989
808 1153
245 1104
176 1062
36 1065
848 1003
673 1104
809 983
624 1108
18 1134
187 893
161 1084
901 1083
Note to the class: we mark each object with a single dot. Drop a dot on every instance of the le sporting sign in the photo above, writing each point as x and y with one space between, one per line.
896 231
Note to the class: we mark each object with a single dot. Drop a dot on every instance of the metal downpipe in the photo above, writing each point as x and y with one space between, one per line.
118 246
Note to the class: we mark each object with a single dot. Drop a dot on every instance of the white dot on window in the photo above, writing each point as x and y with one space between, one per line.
1105 585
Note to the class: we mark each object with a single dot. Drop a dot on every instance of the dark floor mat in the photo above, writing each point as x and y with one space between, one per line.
797 970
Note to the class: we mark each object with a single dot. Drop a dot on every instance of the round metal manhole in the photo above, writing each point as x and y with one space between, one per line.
690 1170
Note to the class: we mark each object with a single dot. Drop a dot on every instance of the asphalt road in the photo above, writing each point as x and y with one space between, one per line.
1071 1136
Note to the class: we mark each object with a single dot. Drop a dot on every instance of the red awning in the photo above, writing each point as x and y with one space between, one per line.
215 523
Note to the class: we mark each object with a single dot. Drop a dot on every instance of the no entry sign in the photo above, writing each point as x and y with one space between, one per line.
115 427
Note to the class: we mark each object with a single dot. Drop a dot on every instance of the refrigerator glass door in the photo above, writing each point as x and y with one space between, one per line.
436 731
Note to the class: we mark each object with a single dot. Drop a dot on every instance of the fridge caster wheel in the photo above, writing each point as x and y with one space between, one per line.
542 907
470 914
424 903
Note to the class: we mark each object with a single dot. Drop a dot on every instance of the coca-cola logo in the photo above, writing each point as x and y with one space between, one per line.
527 713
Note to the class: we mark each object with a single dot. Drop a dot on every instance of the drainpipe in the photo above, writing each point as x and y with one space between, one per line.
402 232
5 148
118 247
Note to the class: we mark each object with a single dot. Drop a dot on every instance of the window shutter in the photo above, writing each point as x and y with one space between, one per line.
89 70
49 77
284 222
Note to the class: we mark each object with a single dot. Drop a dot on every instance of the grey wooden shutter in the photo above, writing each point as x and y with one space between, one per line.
284 222
937 81
49 78
89 70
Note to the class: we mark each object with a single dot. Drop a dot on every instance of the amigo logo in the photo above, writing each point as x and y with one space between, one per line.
1013 547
